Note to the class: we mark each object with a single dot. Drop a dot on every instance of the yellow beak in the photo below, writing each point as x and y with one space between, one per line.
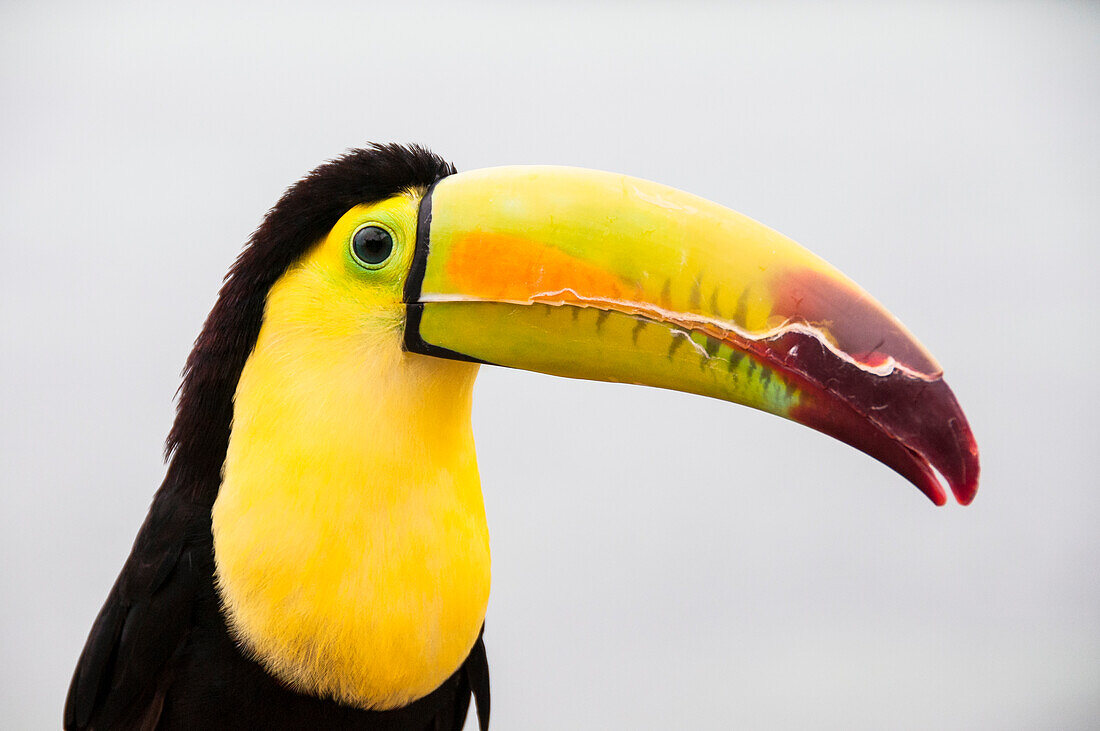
594 275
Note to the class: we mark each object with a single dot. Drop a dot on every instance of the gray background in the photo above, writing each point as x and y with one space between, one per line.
660 560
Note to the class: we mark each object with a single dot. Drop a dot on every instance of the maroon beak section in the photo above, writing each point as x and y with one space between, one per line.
913 425
859 325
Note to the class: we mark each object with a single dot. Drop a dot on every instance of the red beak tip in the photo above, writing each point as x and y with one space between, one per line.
965 493
965 486
935 493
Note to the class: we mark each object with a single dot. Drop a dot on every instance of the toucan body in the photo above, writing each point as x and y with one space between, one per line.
318 554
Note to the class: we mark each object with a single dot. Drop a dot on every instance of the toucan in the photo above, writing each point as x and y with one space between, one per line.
317 555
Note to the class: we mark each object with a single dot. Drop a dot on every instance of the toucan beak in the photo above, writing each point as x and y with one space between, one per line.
594 275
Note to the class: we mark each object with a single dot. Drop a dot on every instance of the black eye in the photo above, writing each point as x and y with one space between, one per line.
372 245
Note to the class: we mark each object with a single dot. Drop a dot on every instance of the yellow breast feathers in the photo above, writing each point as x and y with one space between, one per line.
349 532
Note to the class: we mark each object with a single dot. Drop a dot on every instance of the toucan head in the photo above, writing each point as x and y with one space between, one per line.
596 275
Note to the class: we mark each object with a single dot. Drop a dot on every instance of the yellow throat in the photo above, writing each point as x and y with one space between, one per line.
349 532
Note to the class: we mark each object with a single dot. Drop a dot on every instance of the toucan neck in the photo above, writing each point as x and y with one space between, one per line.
340 410
351 504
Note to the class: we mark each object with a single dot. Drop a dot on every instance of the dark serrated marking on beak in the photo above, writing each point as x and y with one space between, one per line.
695 298
666 295
714 304
678 338
735 360
742 306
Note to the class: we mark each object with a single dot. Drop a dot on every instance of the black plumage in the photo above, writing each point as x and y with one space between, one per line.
160 655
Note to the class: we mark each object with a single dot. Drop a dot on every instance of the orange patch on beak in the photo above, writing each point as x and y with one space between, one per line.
502 268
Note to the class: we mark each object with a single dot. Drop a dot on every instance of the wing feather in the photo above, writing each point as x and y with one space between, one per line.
122 670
